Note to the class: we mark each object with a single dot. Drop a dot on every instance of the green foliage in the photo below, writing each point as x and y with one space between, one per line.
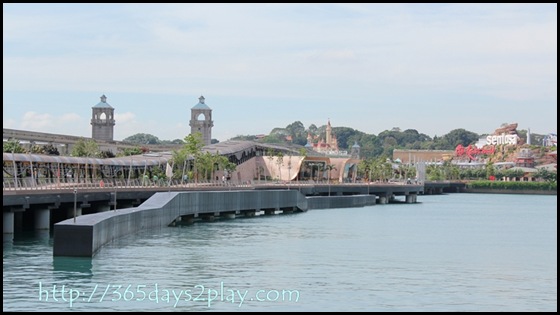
343 136
376 169
86 148
274 138
458 136
106 154
198 165
244 138
131 151
142 138
35 149
13 145
49 149
193 143
488 184
298 132
546 175
434 172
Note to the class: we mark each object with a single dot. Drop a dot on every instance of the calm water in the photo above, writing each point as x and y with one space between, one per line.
457 252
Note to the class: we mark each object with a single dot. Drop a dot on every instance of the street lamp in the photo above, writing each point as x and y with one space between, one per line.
75 201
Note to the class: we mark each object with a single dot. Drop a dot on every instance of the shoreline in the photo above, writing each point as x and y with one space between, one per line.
509 191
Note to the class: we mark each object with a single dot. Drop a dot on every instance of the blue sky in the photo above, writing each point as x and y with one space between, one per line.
371 67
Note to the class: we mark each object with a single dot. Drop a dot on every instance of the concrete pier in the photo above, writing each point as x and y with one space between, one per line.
410 198
383 200
42 219
90 232
228 215
8 222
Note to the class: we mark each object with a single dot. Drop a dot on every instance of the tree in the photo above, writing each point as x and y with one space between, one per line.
289 166
329 168
142 138
193 146
458 136
297 131
490 170
270 156
546 175
49 149
302 152
106 154
313 130
85 148
12 145
274 138
224 163
370 146
279 162
130 151
35 149
343 134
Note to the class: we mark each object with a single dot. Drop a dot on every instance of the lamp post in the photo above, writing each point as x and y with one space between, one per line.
75 201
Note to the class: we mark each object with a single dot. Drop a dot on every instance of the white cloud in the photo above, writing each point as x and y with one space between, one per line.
124 118
37 121
68 124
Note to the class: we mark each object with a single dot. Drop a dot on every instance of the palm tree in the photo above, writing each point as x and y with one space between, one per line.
279 162
270 157
302 152
329 168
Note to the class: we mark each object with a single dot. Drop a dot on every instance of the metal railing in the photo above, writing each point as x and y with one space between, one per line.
47 184
26 184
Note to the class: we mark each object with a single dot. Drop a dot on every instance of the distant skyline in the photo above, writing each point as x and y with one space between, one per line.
370 67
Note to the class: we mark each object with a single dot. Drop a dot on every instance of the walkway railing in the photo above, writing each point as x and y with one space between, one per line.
46 184
26 184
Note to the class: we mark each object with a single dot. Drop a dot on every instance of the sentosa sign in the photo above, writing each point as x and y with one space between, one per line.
501 139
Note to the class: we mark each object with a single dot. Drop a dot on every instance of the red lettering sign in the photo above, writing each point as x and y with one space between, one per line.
471 150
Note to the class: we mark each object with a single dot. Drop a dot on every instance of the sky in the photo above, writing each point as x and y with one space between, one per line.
370 67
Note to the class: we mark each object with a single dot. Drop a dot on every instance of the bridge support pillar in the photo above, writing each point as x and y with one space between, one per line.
18 220
186 219
42 219
249 213
8 222
383 200
288 210
208 217
410 198
228 215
